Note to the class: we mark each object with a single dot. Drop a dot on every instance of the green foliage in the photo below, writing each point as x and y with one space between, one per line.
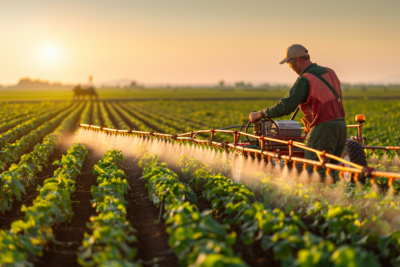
277 222
122 108
22 174
25 127
108 244
12 151
52 205
85 116
104 114
95 114
171 116
121 123
18 113
197 239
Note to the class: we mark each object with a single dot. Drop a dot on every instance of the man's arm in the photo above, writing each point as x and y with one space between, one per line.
297 94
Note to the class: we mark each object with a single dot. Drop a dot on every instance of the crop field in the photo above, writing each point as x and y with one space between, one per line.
74 197
234 93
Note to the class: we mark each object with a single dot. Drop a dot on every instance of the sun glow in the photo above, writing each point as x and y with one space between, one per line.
50 55
51 52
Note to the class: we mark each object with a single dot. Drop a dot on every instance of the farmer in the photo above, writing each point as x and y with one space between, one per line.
318 94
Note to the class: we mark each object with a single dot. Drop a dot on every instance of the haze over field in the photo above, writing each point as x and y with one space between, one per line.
196 42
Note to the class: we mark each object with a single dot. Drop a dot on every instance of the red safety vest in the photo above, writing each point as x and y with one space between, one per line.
322 105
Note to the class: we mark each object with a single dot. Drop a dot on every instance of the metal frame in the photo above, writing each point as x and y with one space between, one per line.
357 170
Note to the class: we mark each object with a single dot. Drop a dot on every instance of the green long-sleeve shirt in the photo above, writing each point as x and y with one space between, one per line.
298 94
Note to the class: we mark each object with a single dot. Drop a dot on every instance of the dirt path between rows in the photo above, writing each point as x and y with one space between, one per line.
152 238
152 245
61 255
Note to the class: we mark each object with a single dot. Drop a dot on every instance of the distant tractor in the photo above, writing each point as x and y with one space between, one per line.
79 92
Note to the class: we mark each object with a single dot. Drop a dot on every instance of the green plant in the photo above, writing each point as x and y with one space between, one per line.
51 206
197 239
108 244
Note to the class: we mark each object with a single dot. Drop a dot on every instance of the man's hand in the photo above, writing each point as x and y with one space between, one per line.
255 116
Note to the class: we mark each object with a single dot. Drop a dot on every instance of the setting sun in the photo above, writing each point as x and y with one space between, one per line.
51 52
50 55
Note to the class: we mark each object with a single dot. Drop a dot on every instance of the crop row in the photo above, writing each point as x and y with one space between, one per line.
168 125
12 151
172 113
138 124
154 125
9 123
10 112
165 123
25 127
182 123
380 128
197 239
208 114
111 232
104 114
51 206
85 116
282 227
13 181
95 114
118 120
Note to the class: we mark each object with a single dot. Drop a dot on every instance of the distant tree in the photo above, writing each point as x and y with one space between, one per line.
28 83
264 85
243 84
134 84
221 83
240 84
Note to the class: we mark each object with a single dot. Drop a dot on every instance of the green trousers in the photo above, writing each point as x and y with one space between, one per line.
330 136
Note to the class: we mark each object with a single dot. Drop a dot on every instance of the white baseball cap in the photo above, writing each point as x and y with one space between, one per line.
293 51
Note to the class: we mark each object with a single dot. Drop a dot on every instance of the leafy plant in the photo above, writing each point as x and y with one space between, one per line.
22 174
197 239
51 206
108 244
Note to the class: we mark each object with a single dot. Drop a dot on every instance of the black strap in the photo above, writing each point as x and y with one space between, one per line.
330 87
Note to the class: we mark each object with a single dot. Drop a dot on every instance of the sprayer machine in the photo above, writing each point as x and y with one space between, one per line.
281 143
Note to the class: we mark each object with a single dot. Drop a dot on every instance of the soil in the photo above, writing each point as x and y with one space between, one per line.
152 238
72 232
152 245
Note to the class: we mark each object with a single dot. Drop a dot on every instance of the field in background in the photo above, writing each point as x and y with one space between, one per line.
191 93
271 203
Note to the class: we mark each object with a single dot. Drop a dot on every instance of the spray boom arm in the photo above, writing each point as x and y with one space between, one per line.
266 155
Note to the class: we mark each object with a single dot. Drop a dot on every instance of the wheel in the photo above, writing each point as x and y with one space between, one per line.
264 132
354 152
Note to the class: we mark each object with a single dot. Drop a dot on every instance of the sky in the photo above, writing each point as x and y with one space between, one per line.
196 41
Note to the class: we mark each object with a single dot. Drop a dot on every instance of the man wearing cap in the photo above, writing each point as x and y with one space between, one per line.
318 94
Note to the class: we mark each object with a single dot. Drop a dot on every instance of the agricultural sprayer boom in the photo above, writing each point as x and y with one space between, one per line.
290 155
